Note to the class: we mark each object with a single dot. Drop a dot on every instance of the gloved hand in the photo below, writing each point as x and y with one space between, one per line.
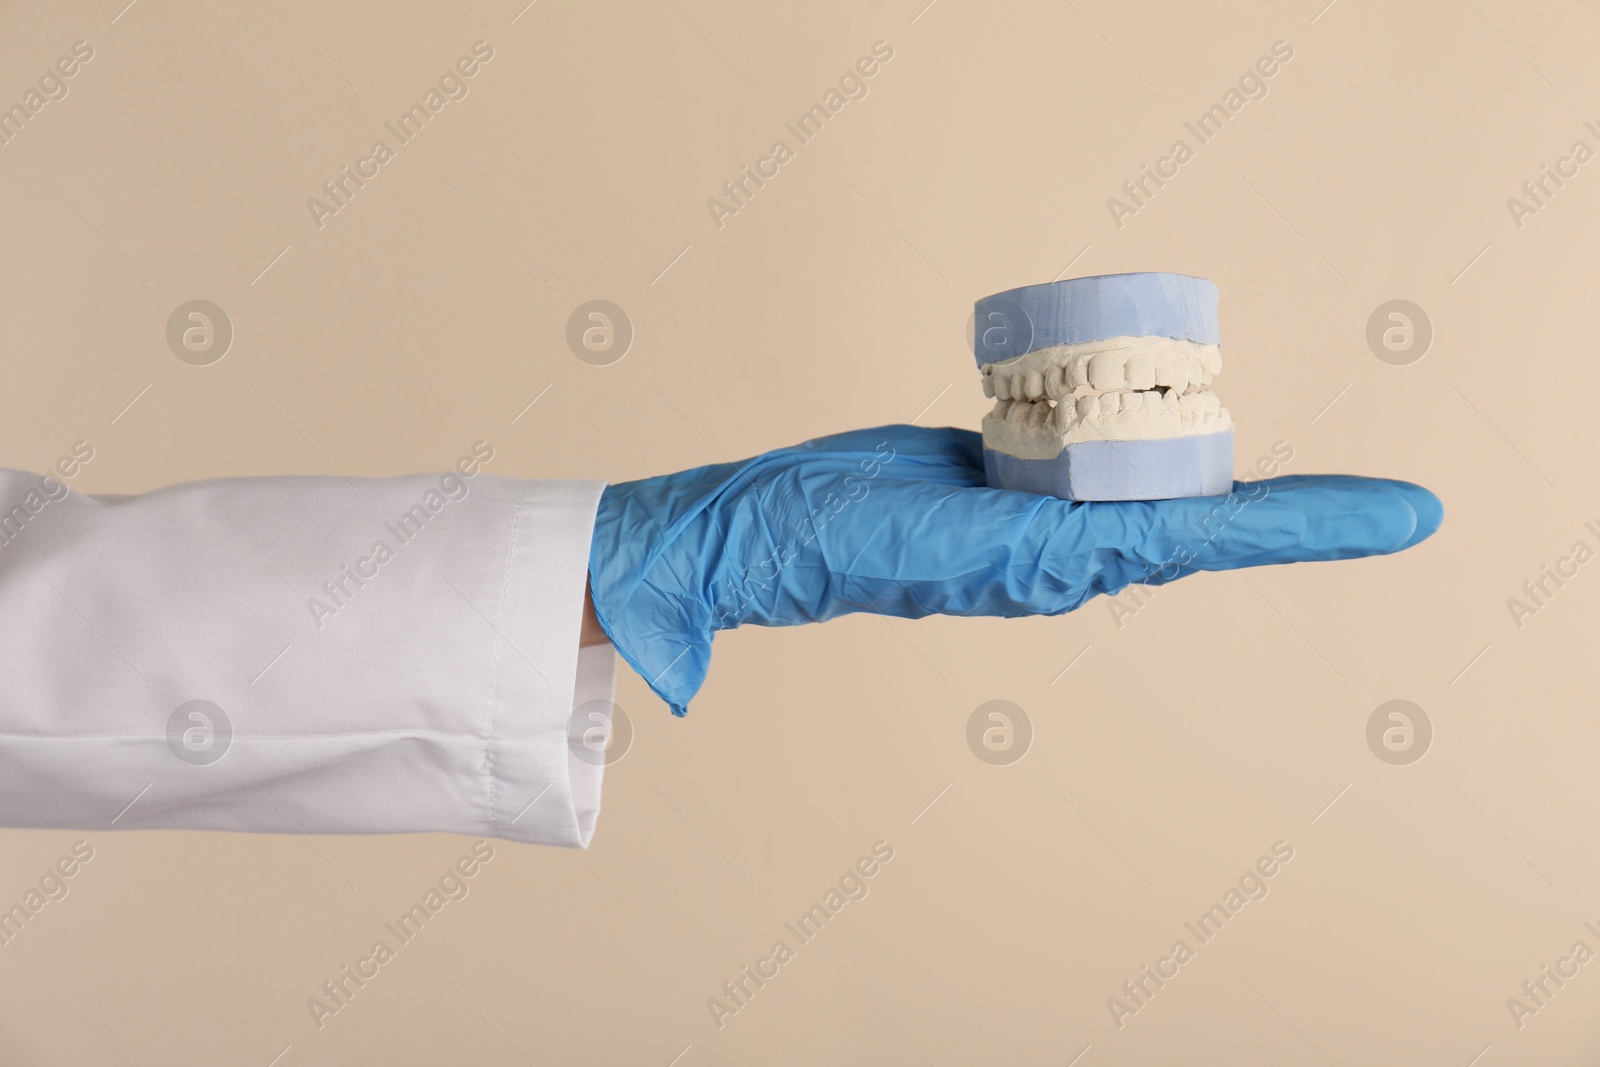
898 520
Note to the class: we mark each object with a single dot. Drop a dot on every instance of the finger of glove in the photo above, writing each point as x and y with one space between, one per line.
1344 517
1427 508
1103 547
1334 537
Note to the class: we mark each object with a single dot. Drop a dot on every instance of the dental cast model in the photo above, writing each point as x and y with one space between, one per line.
1100 388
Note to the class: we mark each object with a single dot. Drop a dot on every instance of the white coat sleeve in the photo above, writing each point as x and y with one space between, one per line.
301 654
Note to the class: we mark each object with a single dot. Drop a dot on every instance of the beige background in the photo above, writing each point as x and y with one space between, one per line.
1222 717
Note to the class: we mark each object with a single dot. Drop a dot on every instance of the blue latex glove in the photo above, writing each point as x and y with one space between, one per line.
898 520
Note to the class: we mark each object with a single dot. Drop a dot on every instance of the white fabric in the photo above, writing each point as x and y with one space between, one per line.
435 695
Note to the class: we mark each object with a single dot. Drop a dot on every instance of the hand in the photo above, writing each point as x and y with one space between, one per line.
898 520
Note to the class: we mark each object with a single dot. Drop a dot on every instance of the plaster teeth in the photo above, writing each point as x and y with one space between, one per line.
1105 371
1183 372
1140 371
1137 363
1121 389
1163 362
1078 372
1040 429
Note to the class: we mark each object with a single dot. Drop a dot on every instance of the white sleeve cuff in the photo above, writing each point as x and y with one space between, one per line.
544 788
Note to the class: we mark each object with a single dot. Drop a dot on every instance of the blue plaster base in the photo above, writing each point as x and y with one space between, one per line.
1122 470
